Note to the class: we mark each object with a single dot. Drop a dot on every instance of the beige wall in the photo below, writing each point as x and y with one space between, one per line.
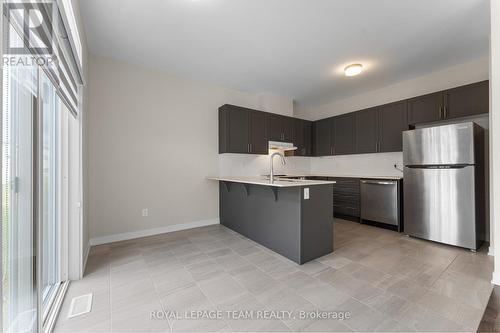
152 141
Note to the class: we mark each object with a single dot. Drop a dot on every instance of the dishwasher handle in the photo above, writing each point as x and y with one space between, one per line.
378 182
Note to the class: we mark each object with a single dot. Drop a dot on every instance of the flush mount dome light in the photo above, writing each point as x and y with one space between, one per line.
353 69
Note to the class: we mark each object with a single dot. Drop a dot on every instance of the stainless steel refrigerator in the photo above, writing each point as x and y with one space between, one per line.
444 184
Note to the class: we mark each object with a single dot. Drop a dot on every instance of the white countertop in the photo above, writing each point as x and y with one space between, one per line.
276 183
344 176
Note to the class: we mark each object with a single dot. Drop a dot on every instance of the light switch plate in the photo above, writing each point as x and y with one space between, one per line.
306 193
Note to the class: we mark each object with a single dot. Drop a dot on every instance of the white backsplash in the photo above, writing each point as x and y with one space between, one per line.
369 165
381 164
255 165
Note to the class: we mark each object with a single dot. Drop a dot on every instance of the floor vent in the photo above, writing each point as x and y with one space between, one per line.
80 305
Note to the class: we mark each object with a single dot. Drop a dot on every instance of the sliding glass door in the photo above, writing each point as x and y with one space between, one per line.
31 209
19 307
40 96
50 179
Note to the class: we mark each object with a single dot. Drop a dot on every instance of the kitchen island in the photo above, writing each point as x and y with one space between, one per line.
291 217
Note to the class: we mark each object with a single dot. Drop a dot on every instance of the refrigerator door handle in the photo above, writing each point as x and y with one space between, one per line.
456 166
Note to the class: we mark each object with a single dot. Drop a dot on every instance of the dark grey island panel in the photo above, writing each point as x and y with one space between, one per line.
281 219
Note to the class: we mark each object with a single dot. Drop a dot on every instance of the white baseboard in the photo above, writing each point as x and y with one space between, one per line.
151 232
86 256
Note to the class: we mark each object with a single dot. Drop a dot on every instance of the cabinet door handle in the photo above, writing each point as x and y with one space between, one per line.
440 112
250 147
445 112
378 182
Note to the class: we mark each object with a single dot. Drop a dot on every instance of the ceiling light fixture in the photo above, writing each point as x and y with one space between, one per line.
353 69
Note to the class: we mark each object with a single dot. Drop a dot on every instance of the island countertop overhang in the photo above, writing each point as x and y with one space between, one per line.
277 183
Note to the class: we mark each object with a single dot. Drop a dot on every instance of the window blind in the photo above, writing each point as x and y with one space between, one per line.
60 63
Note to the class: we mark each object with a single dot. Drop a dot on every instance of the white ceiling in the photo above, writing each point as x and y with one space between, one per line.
295 48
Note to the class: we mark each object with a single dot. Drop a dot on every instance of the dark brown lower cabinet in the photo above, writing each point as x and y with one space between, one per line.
346 197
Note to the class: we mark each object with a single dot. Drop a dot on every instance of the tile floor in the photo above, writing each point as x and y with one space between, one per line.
491 317
383 280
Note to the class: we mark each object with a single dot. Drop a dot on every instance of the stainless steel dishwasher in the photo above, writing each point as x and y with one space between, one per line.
380 201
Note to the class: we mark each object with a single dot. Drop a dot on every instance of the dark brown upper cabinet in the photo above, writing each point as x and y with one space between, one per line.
323 137
392 121
344 134
425 108
467 100
274 128
280 128
367 131
308 143
380 129
373 130
258 133
242 130
288 125
302 137
235 130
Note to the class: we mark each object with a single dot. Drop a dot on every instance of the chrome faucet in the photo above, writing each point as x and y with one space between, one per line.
271 172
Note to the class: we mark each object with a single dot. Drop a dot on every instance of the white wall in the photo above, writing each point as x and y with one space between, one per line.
152 142
495 131
79 227
383 164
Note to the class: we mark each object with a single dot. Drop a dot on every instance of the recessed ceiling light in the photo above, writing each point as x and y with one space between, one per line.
353 69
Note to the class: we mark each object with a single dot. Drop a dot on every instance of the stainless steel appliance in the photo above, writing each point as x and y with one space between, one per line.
380 201
444 184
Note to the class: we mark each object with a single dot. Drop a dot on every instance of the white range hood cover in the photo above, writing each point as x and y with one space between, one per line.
286 146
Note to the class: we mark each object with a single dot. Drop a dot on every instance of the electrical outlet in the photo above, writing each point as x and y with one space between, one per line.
396 166
306 193
145 212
